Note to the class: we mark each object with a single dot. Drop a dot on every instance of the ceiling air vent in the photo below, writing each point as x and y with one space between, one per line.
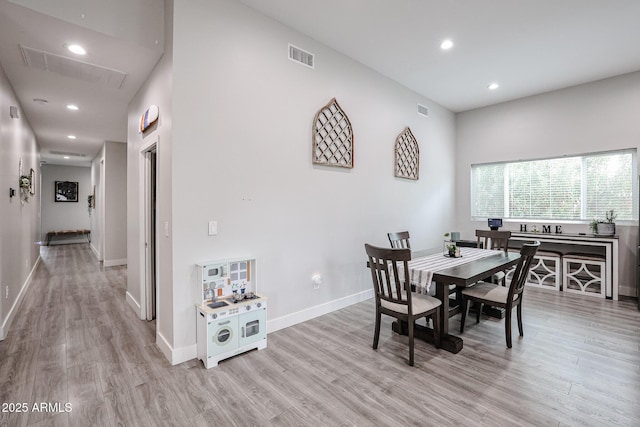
68 67
63 153
423 111
301 56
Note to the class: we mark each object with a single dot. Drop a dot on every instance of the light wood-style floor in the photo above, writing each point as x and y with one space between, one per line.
75 341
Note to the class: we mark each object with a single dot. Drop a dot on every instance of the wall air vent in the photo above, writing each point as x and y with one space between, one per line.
301 56
423 111
68 67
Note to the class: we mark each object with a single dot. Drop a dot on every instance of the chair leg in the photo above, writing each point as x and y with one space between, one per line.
436 328
376 334
520 329
479 310
465 313
507 327
411 323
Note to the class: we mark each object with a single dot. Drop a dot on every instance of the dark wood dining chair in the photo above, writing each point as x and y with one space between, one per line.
399 240
501 296
393 294
493 239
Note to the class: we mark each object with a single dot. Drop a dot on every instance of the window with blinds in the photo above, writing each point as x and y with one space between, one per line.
579 188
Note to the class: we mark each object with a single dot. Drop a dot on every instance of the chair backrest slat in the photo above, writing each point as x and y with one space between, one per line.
519 279
493 239
399 240
389 267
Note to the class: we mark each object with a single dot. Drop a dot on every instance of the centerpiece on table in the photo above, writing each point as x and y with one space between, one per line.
451 249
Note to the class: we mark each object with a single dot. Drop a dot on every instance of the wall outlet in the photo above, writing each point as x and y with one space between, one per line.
317 281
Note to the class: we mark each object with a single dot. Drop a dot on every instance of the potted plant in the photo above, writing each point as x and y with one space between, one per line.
450 247
606 227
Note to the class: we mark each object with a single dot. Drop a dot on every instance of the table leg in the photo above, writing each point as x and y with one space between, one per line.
442 293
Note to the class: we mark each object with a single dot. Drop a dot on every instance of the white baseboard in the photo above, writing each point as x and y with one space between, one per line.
318 310
95 251
135 305
6 324
176 356
114 262
180 355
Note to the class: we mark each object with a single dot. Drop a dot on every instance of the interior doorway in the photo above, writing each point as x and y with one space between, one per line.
101 213
151 232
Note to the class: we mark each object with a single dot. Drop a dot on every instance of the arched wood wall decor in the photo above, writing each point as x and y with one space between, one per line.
332 137
407 158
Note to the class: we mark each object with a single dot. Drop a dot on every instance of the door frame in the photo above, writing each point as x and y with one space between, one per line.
147 269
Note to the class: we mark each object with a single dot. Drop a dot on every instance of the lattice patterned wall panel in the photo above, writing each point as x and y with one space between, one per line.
407 159
332 137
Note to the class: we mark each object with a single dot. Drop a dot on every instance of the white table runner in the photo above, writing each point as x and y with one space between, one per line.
421 269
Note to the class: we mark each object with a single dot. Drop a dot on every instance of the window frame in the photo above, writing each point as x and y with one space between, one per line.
583 187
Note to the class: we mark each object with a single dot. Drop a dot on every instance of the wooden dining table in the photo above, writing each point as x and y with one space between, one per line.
474 266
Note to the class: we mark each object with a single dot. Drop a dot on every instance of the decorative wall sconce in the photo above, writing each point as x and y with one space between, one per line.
148 118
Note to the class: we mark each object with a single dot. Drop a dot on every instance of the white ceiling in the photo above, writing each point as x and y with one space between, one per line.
527 46
118 34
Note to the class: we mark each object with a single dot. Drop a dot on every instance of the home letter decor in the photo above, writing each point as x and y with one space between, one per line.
332 137
407 160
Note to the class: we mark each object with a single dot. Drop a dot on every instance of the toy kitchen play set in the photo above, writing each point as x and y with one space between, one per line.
231 316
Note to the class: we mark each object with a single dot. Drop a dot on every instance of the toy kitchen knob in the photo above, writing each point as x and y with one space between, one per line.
247 307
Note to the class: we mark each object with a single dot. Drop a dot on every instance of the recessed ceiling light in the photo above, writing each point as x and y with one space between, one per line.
77 49
446 45
493 86
66 157
72 107
71 136
40 101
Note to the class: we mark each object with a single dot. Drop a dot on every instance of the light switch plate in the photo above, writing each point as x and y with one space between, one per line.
213 228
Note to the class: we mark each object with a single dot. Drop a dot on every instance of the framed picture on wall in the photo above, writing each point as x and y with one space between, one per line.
66 191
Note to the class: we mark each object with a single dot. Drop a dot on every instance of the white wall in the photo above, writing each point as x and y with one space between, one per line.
157 90
20 222
115 203
58 216
242 116
593 117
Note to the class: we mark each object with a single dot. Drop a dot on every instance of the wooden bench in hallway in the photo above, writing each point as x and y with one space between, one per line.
51 234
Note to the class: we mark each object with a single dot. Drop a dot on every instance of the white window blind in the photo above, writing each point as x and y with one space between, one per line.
566 188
